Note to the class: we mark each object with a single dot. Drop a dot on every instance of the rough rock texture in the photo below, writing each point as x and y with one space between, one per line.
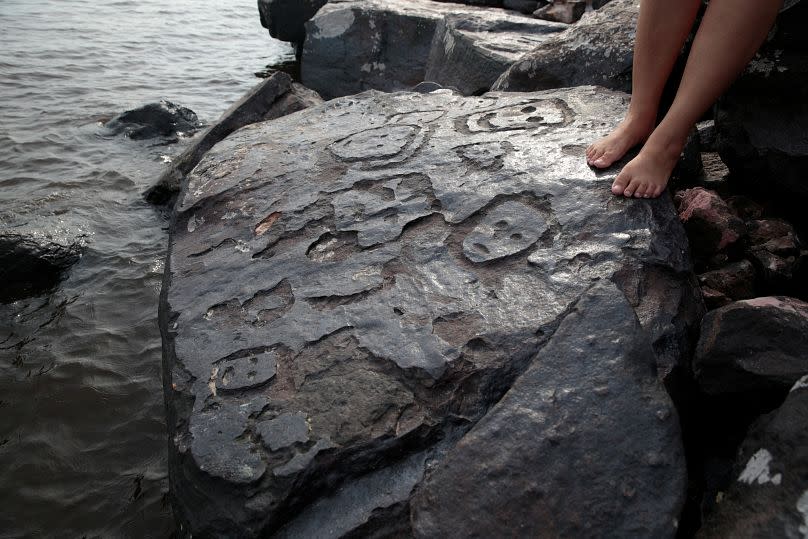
736 280
770 495
566 11
470 52
163 119
32 263
598 50
761 122
350 288
270 99
285 19
754 345
710 223
356 45
585 443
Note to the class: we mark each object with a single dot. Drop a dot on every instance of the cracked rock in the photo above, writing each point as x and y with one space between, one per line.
376 272
356 45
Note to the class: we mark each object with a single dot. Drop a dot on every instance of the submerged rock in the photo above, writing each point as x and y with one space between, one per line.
769 497
351 288
356 45
753 346
34 263
163 119
270 99
599 49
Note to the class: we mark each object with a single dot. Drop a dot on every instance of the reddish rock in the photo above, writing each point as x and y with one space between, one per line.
567 11
710 223
735 281
753 346
713 299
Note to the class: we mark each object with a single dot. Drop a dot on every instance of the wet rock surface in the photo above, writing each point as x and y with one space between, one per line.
598 49
356 45
753 346
277 96
33 263
580 446
350 289
163 119
769 494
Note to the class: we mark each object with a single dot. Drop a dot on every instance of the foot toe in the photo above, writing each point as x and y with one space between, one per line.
619 184
631 188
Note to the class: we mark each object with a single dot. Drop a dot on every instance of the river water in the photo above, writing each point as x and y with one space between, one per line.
82 433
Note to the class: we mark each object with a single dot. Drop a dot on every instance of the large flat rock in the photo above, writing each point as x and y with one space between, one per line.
356 45
352 287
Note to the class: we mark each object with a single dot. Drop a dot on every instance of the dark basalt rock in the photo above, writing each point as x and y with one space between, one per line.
753 346
31 264
762 120
351 288
470 52
356 45
769 497
580 446
286 19
274 97
566 11
163 119
598 49
736 280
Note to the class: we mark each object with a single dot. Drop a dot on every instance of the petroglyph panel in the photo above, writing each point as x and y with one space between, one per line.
365 278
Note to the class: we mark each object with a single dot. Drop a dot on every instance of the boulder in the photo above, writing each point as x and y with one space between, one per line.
774 248
579 446
753 346
709 222
286 19
762 120
351 288
33 263
469 52
566 11
163 119
274 97
769 497
736 280
355 45
706 130
599 49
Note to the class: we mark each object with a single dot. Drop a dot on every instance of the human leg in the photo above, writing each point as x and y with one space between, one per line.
731 31
662 28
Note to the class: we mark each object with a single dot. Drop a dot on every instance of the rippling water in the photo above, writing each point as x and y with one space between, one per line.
82 436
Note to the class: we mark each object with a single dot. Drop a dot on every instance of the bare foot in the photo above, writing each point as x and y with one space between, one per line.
611 148
647 175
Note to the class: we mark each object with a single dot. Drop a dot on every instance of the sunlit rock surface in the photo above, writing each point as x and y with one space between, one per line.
352 287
